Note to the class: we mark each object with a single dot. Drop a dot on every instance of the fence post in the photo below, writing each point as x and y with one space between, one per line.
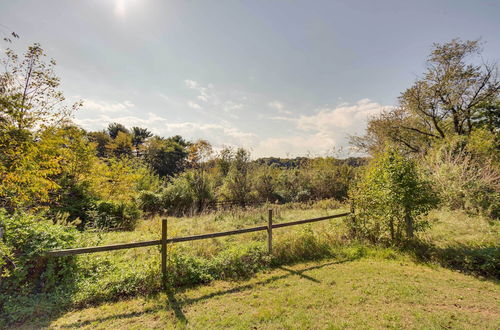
270 231
164 252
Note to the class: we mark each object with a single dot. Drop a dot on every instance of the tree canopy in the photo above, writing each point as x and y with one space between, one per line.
457 94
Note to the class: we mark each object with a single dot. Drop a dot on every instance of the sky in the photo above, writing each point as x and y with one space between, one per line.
281 78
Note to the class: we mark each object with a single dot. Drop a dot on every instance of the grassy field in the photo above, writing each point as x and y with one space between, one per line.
349 285
367 293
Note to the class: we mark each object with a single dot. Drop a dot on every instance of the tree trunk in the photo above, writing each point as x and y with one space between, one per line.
391 228
409 224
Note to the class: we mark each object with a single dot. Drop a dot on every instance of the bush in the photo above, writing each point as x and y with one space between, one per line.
237 185
114 215
390 199
150 202
465 179
188 193
264 185
293 186
24 268
304 244
328 178
75 201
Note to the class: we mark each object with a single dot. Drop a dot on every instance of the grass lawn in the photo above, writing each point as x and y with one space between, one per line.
366 293
349 286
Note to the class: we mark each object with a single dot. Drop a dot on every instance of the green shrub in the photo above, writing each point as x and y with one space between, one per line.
150 202
75 201
265 185
240 261
114 215
293 186
235 262
464 179
186 270
24 268
111 277
390 199
177 197
188 193
304 244
237 185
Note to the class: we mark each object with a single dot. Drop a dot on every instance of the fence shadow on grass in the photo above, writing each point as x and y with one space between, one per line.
177 304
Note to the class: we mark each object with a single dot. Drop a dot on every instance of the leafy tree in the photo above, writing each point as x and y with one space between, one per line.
30 106
165 156
199 152
189 192
328 178
27 169
237 184
390 198
29 95
121 145
487 116
452 97
466 174
101 139
265 184
139 136
115 128
293 185
78 157
180 140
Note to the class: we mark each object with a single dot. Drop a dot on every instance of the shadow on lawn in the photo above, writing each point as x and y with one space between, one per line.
177 305
480 261
476 260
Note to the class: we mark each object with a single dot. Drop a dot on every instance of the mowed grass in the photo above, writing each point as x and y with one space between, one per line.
331 294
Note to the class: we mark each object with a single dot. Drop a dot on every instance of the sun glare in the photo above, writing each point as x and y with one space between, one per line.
122 7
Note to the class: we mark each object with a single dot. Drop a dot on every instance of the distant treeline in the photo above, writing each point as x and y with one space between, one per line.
297 162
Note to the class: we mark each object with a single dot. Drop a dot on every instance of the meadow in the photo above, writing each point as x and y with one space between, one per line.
316 276
420 248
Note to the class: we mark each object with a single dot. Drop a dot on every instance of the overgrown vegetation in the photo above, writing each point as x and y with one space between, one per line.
390 199
62 186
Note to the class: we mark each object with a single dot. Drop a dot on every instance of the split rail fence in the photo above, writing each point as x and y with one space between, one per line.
165 240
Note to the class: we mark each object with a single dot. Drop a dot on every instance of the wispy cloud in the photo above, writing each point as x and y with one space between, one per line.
343 116
213 99
279 107
107 106
323 131
193 105
164 97
205 93
317 133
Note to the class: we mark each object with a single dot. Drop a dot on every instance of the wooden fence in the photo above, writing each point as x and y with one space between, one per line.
165 240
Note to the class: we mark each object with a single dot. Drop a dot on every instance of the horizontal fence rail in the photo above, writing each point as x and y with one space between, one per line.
93 249
68 252
164 240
